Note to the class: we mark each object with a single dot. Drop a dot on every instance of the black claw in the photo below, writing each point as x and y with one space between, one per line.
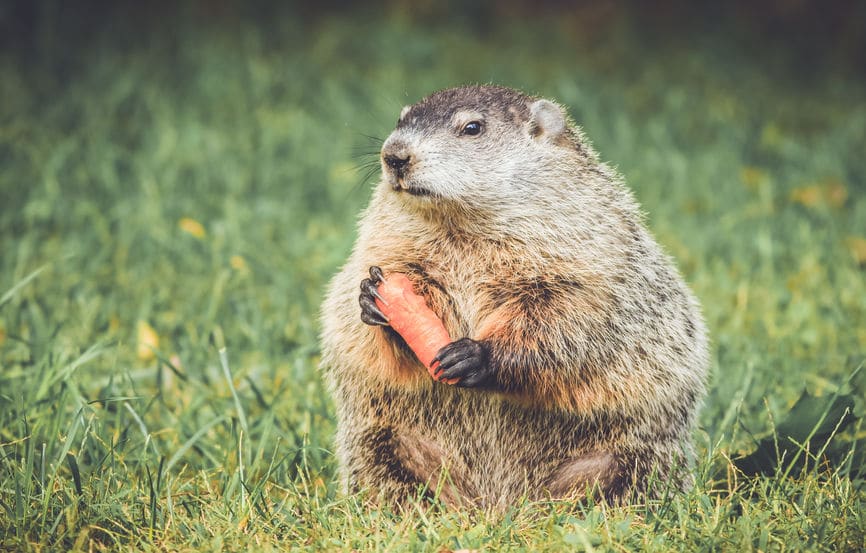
370 312
371 288
454 357
367 319
465 360
464 369
472 381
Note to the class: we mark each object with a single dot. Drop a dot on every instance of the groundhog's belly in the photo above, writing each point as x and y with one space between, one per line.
508 449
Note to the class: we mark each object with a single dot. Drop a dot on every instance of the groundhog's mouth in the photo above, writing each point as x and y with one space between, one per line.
416 191
412 189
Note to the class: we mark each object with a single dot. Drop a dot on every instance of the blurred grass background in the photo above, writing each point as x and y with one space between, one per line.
173 177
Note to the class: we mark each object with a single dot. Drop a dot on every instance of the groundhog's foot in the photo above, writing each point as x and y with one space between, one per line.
370 313
466 360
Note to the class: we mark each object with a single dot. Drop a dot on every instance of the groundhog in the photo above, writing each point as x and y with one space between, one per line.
580 352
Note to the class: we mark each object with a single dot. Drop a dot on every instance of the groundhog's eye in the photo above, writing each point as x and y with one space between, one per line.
472 128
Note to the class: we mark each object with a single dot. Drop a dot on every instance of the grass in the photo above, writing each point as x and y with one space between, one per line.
174 202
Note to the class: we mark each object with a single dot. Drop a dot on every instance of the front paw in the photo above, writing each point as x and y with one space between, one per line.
370 312
465 361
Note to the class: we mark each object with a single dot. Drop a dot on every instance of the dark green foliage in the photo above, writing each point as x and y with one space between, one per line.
804 436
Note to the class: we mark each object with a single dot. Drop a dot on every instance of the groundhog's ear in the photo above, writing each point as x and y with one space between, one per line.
547 120
404 111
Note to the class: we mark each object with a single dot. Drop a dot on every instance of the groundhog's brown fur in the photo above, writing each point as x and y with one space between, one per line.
586 350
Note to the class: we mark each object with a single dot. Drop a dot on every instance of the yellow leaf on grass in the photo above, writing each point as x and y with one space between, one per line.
857 247
148 341
830 192
191 226
238 263
242 525
809 196
2 334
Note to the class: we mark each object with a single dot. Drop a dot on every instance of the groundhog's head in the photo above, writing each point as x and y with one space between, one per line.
481 146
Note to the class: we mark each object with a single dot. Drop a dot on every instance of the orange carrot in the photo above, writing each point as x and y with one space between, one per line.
409 315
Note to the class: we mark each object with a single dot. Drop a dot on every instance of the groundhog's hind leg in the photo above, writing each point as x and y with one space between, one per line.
621 476
598 471
396 463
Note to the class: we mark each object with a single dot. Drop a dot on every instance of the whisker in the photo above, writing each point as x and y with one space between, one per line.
365 153
363 164
370 172
371 137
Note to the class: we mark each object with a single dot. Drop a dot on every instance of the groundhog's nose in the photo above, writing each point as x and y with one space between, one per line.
397 163
396 155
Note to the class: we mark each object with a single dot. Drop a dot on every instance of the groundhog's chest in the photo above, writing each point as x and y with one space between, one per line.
469 285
